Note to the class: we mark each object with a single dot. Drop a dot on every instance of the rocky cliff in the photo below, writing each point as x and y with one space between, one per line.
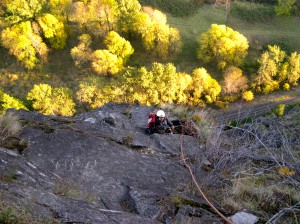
101 167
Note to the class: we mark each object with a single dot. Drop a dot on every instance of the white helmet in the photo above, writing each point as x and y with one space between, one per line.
160 113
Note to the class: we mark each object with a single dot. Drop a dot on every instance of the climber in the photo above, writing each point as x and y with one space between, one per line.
159 123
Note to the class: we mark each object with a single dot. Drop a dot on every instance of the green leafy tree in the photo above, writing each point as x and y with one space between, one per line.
285 7
293 69
272 70
222 45
22 10
106 63
129 16
52 101
117 45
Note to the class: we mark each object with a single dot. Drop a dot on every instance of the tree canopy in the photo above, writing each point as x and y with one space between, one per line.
222 45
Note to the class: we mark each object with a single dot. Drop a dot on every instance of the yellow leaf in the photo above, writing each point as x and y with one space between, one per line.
286 171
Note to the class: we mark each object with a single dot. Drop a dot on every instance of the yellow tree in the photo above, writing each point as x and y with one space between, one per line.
7 101
157 36
118 45
53 30
28 25
222 45
293 70
95 16
24 44
106 63
203 87
272 70
60 8
52 101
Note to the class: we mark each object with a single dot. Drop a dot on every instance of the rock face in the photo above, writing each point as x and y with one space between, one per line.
98 167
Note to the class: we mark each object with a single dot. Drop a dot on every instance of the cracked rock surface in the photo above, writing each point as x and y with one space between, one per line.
97 167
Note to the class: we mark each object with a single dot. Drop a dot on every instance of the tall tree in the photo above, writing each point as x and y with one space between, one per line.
23 10
293 70
130 13
285 7
272 70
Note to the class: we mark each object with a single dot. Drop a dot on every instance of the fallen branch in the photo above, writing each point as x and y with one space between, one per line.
198 187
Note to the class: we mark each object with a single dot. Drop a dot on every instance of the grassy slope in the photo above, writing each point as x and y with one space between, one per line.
190 29
279 29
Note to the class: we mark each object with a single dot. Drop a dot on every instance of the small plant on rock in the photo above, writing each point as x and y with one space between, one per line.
248 95
279 110
9 126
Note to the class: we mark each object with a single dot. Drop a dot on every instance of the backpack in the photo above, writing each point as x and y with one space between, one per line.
151 120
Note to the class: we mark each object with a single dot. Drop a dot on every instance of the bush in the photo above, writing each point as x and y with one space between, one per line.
9 126
248 95
253 13
178 8
52 101
7 101
279 110
286 86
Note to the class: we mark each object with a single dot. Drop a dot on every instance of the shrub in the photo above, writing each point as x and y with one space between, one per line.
178 8
222 45
253 13
7 101
52 101
248 95
9 126
286 86
279 110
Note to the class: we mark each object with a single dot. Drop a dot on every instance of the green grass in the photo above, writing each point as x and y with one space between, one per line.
190 29
284 31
